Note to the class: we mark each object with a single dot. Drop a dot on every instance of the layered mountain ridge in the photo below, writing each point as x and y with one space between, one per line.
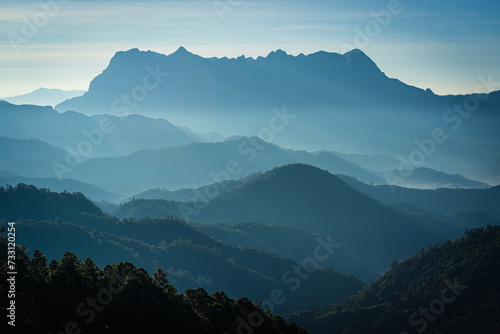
345 103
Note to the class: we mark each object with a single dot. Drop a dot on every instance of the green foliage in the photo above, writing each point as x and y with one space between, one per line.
44 204
118 298
385 306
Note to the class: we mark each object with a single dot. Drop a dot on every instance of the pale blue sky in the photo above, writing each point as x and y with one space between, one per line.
442 45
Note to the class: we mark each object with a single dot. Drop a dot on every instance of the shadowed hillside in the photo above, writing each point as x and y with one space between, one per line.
450 288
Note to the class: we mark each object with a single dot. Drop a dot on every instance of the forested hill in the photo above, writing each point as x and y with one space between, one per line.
452 288
75 296
312 199
70 222
27 201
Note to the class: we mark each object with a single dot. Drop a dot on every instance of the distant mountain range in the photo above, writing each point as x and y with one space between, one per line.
321 98
101 135
426 178
44 97
187 166
199 164
320 101
187 82
441 201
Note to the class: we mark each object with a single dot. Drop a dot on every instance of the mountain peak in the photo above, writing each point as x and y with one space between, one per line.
297 171
355 51
181 50
360 60
129 54
302 176
277 53
131 51
357 55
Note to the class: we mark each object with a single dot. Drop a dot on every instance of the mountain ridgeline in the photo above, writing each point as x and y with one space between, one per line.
108 135
44 97
54 223
372 233
311 199
321 78
330 97
182 161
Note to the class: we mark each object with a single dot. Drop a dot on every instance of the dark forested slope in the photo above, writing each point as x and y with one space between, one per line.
452 288
69 222
74 295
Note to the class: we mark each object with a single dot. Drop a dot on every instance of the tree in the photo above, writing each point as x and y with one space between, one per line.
160 277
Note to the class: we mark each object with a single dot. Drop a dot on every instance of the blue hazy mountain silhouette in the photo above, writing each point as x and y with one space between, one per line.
44 97
308 198
343 103
130 133
194 83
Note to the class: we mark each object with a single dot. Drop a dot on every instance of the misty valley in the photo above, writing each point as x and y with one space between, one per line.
276 194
